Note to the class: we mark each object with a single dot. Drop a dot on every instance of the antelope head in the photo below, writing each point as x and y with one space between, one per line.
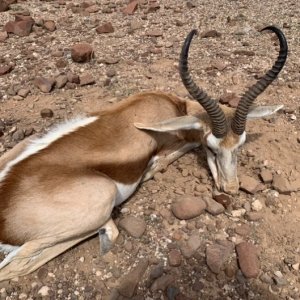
226 134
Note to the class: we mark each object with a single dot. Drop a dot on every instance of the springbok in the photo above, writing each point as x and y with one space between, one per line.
59 189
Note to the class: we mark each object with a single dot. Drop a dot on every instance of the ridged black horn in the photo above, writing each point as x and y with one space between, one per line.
239 121
217 117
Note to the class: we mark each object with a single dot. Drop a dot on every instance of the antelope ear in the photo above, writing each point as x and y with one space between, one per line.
263 111
179 123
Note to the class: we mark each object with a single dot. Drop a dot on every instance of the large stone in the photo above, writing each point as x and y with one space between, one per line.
22 25
5 69
3 36
23 92
188 207
161 283
213 207
210 33
134 226
92 9
248 259
44 84
174 258
86 79
130 281
73 78
131 7
217 255
82 52
3 6
46 113
189 248
249 184
282 185
61 81
266 176
222 199
50 25
105 28
243 230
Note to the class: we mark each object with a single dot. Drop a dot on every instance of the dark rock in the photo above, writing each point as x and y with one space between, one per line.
216 256
210 33
44 84
50 25
213 207
46 113
86 79
249 184
22 25
92 9
131 7
134 226
174 258
172 292
188 207
73 78
82 52
161 283
23 92
243 230
223 199
111 60
105 28
266 176
5 69
130 281
282 185
248 259
18 135
189 248
156 272
3 36
61 63
111 72
61 81
42 273
3 6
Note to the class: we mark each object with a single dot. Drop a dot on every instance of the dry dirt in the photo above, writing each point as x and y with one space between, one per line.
128 61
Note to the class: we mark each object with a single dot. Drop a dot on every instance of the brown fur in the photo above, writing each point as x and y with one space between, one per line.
111 146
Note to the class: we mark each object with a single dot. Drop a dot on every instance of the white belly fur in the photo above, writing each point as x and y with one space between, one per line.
125 191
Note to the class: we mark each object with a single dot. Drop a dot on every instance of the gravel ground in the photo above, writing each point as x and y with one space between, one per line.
250 250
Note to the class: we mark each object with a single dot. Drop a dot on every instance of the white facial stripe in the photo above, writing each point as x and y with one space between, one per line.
227 164
242 139
211 160
223 162
39 144
213 142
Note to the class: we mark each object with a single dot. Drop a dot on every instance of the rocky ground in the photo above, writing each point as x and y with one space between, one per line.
175 241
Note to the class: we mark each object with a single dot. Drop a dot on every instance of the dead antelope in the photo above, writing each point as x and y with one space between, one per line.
58 190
